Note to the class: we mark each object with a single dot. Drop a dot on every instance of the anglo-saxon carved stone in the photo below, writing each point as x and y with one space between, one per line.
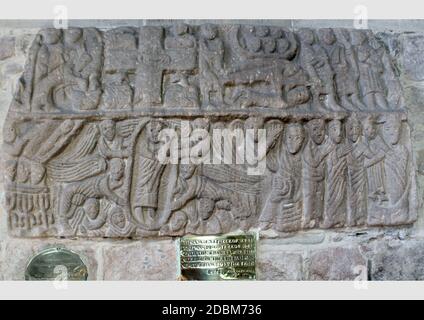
166 131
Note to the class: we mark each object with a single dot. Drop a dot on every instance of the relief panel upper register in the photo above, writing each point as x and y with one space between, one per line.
85 132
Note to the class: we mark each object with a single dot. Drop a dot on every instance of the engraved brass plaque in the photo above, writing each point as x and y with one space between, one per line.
230 257
56 264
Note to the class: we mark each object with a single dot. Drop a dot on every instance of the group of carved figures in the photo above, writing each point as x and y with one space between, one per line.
81 161
207 66
350 173
103 178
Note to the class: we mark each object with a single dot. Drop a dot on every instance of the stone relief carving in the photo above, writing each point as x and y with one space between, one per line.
85 132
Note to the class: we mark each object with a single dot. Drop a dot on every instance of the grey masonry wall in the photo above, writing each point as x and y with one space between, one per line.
382 254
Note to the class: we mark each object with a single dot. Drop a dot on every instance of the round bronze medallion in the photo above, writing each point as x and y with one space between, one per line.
56 264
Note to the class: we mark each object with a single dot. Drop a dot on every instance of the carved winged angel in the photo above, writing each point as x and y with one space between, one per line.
86 156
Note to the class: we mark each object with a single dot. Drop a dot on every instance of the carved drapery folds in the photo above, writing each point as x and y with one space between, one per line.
83 133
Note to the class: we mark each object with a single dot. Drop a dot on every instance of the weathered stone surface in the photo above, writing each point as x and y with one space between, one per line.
303 238
336 263
141 260
12 69
397 260
278 265
7 47
227 66
17 254
85 133
412 56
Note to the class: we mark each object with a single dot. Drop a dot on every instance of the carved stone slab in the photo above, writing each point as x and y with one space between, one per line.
94 111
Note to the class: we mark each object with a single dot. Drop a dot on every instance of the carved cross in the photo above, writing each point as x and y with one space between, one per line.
153 61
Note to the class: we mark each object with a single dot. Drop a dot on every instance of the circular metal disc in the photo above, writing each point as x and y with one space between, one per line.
56 264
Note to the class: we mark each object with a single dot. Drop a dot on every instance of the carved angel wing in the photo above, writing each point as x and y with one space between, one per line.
274 132
78 162
76 171
59 138
83 146
233 177
128 130
127 127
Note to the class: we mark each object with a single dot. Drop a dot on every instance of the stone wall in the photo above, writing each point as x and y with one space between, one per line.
390 253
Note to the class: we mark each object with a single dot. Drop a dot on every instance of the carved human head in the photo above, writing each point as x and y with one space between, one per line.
269 45
294 137
50 35
118 218
66 126
200 130
316 129
326 35
392 129
107 129
209 31
117 167
200 123
282 45
11 169
37 173
206 207
335 130
187 170
261 31
254 123
23 173
219 125
358 37
276 33
290 69
72 35
353 128
177 221
9 132
306 36
154 128
180 29
363 53
370 128
92 208
253 43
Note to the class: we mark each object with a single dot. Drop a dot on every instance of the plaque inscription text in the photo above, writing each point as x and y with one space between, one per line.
229 257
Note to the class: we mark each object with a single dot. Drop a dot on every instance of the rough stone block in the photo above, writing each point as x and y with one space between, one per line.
412 57
279 265
141 260
338 263
13 69
397 260
7 47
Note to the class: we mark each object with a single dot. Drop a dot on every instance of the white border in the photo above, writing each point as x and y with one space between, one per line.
216 9
187 290
212 9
